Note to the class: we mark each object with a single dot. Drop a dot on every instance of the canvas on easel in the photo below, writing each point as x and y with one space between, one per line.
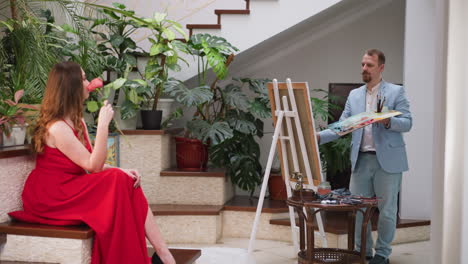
295 136
302 98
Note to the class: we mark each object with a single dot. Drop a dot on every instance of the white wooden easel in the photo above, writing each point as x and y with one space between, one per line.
286 115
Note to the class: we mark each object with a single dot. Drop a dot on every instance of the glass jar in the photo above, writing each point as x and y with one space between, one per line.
324 188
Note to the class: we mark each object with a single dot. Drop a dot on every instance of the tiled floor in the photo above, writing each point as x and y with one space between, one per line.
233 251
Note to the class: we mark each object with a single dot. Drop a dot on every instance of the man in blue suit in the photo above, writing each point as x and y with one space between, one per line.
378 154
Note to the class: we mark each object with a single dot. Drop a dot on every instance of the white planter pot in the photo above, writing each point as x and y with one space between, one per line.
127 124
17 136
166 105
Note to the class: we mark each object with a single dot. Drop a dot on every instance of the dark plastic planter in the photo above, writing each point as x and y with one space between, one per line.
151 119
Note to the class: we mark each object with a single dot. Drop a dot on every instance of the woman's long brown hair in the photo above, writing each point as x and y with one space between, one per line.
63 98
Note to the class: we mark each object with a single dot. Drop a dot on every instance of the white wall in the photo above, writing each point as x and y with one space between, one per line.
438 181
423 142
267 18
455 198
336 55
182 11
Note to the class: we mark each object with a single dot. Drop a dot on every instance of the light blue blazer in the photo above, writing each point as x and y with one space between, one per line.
389 143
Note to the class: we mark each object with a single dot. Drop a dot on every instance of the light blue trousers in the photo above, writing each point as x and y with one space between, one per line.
369 179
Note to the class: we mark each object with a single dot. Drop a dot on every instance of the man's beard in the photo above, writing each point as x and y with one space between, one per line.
366 77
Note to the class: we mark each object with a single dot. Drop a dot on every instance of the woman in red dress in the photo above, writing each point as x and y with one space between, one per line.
71 184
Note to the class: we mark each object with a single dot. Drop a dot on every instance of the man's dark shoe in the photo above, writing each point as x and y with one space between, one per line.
367 257
379 260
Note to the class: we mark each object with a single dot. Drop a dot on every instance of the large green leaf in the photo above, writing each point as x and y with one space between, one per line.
133 96
216 133
234 97
215 49
118 83
260 109
257 86
243 126
92 106
156 49
130 59
152 70
245 171
188 97
116 40
176 26
170 35
130 44
240 144
212 41
159 17
128 110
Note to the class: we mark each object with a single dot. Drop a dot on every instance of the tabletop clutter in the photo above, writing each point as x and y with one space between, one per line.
309 203
325 195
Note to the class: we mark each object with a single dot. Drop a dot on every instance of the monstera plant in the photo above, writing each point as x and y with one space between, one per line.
228 121
227 117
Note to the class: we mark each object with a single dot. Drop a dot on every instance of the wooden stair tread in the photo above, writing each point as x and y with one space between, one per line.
337 222
244 203
181 256
232 11
174 172
185 209
168 131
27 229
23 262
204 26
14 151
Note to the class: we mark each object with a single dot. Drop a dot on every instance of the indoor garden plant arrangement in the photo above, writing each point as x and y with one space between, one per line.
226 121
119 51
163 57
227 128
13 121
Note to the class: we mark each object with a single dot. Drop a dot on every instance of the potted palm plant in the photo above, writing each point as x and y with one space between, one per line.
26 56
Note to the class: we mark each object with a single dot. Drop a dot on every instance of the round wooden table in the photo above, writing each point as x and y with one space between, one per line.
308 254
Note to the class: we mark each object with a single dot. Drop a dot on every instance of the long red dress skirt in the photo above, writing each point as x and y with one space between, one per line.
59 191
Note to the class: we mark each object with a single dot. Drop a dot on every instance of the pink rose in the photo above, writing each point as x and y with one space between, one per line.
95 83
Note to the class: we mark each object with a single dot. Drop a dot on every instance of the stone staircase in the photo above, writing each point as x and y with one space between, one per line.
244 26
189 207
34 243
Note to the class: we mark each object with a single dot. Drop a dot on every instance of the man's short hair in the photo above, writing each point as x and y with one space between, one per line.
380 55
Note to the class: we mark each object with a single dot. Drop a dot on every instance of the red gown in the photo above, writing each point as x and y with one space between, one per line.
60 192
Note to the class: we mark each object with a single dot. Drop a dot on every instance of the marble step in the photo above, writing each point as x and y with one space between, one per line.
239 214
336 229
188 223
211 187
36 244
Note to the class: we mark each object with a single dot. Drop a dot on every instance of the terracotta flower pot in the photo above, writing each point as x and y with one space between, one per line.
277 187
191 154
